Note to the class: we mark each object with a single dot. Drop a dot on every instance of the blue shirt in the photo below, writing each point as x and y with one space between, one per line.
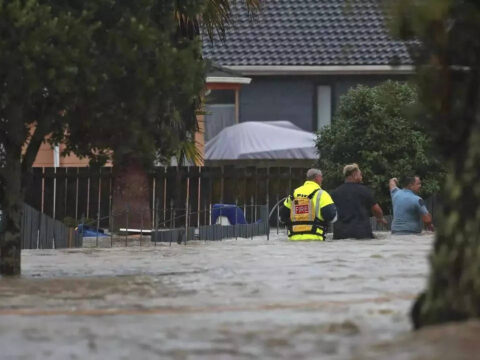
408 209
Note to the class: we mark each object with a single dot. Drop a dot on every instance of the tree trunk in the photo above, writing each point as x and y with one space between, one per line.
12 185
131 196
12 207
453 291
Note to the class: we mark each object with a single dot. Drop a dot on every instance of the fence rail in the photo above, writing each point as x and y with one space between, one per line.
79 193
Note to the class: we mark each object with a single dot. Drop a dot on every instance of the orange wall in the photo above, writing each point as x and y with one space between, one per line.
45 158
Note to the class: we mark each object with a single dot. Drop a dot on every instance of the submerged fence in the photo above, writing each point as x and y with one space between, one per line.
226 221
40 231
179 201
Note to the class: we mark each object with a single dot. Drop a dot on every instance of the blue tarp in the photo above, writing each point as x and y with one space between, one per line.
88 231
232 212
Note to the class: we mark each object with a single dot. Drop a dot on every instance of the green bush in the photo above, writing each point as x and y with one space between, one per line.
376 128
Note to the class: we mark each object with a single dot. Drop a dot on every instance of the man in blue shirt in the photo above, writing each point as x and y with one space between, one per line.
409 210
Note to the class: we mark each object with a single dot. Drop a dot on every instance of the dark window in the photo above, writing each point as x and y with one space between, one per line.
221 97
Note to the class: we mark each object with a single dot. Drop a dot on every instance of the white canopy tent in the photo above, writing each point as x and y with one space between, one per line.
262 140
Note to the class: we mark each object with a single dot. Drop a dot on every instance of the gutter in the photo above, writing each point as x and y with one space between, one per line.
228 80
324 70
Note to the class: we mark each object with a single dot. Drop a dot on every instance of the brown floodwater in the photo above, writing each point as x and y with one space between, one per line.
234 299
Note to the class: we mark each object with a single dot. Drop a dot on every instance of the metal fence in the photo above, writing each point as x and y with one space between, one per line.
180 226
77 193
86 196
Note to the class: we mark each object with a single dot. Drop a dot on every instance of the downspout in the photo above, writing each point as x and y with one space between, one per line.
56 156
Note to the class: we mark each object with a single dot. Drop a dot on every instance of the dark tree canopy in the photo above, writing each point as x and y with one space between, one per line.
108 78
373 127
102 76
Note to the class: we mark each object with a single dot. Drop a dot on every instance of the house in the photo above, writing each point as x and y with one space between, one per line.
303 55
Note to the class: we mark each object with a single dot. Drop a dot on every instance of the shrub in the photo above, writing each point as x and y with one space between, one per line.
376 128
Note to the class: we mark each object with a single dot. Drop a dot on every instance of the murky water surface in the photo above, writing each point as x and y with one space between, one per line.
234 299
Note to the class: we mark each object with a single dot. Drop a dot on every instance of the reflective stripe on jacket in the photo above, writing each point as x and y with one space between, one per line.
319 200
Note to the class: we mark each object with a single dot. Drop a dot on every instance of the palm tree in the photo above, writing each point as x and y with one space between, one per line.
217 14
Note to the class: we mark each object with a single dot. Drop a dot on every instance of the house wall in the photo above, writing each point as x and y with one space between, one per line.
45 158
293 98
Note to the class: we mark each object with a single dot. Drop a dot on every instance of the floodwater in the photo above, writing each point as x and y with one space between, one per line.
232 299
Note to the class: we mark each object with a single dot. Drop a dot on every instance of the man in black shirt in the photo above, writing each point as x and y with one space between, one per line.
354 202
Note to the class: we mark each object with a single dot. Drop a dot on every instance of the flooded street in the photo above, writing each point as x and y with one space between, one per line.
233 299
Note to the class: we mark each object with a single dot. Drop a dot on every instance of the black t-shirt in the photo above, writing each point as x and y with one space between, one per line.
354 202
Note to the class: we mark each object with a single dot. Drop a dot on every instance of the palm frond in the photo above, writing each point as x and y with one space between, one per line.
188 152
217 14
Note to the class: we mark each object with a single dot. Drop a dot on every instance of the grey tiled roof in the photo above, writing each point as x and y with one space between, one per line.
308 32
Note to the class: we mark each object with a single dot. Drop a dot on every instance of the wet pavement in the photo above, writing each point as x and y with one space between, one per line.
233 299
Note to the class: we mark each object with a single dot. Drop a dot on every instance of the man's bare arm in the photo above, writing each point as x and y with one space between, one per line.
378 213
427 220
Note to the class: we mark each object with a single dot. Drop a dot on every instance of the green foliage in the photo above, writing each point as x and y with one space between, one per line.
101 76
372 127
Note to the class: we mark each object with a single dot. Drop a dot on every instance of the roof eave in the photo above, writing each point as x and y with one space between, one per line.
324 70
228 80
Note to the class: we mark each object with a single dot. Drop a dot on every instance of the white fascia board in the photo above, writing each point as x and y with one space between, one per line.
228 80
325 70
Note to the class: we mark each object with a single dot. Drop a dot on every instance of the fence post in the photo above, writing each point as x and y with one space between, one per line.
126 227
199 192
76 194
65 195
236 220
267 225
165 198
112 218
83 230
278 213
42 207
98 226
99 198
54 192
187 205
187 218
88 195
153 201
156 225
255 212
141 226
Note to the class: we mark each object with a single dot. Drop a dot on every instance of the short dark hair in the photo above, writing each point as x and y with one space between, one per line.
407 180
